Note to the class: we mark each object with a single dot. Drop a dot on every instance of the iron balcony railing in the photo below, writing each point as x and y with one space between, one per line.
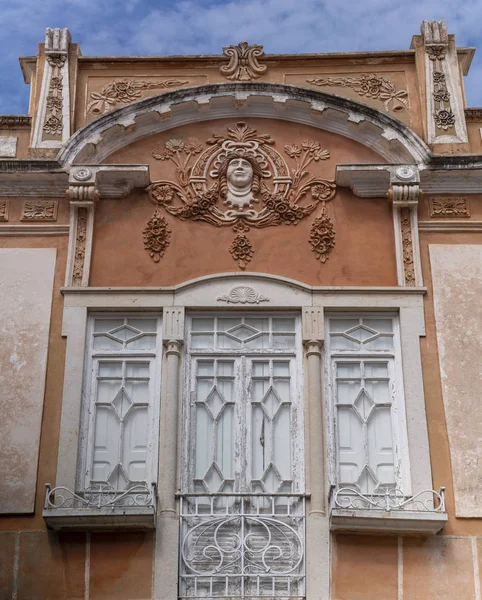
100 496
242 546
388 499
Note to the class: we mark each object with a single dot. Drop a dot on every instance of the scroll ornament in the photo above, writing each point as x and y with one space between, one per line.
243 62
240 180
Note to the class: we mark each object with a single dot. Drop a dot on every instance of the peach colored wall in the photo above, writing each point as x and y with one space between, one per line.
364 253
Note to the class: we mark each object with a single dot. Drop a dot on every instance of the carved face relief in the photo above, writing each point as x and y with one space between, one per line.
239 181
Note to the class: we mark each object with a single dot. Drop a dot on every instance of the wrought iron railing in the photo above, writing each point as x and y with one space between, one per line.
100 496
388 499
242 546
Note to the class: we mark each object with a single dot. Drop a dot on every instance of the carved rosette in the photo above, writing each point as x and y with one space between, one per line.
40 210
371 86
243 62
157 235
125 91
449 208
407 246
278 193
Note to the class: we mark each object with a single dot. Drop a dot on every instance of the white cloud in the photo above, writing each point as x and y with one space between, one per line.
143 27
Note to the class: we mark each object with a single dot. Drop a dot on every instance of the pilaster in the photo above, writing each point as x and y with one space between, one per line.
53 114
404 193
82 193
444 97
317 519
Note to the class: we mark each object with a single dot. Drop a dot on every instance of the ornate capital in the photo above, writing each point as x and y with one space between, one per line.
313 347
173 347
243 62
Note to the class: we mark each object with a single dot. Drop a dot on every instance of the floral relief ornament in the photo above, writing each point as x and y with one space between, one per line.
238 179
53 123
124 91
371 86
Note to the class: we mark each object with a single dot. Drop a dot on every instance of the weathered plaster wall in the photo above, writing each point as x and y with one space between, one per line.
26 282
457 283
364 253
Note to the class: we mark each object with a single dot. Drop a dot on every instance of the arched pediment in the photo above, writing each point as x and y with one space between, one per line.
390 138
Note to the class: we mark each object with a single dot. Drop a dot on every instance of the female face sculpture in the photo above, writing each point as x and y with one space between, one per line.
239 176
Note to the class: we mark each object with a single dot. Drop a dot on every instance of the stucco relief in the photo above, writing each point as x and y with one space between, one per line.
4 210
40 210
371 86
53 124
449 208
241 180
243 62
407 246
124 91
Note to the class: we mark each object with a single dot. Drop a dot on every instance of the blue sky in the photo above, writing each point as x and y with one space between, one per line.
149 27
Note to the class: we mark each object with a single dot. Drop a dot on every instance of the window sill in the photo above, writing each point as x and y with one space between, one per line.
388 512
398 522
100 509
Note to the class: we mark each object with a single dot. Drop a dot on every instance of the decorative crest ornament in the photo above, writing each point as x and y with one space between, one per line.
242 294
243 62
241 181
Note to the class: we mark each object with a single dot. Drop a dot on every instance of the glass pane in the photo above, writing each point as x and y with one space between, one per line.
281 368
124 334
225 367
260 368
205 367
146 342
134 452
360 334
340 342
138 391
384 342
225 324
107 390
383 325
282 387
282 442
283 324
261 324
102 342
201 340
110 369
225 387
202 324
137 369
225 341
348 370
102 325
224 435
204 442
260 387
149 325
347 391
262 341
283 341
378 390
204 387
378 369
106 441
342 324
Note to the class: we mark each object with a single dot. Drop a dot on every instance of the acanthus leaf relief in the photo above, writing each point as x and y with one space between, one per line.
371 86
124 91
240 180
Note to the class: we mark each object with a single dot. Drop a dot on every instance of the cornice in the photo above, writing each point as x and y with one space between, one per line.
15 122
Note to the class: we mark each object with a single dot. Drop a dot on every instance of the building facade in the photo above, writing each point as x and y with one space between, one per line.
240 347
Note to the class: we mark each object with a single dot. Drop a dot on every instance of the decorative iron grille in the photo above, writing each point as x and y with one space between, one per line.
242 546
100 496
389 499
